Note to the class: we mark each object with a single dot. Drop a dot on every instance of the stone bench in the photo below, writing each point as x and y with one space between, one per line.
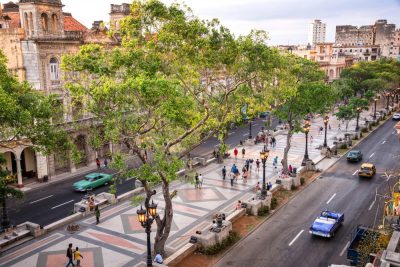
17 234
180 254
236 214
209 238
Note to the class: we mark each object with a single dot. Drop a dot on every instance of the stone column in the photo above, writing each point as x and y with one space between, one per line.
42 166
19 171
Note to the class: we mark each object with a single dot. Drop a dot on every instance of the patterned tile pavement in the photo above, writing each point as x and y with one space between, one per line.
119 240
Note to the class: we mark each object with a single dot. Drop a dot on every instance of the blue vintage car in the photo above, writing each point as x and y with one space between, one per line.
327 223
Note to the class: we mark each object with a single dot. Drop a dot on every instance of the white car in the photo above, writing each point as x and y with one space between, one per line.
396 117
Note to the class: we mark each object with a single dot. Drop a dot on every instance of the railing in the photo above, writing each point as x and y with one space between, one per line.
68 35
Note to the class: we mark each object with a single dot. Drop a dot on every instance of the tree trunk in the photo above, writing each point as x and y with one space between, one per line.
164 224
287 148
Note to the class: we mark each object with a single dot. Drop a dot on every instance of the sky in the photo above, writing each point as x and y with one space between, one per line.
286 21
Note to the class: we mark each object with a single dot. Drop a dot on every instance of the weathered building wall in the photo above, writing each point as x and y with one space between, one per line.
10 44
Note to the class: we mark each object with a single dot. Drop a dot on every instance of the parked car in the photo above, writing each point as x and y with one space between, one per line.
396 117
264 114
354 156
367 170
92 181
327 224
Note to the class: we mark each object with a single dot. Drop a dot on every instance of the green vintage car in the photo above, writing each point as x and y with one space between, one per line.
92 181
354 156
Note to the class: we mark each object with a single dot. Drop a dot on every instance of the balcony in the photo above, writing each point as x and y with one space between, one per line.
67 36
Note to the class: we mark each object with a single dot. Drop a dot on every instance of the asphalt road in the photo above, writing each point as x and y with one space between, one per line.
55 201
284 240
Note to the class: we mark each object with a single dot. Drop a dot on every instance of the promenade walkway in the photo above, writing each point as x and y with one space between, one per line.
119 240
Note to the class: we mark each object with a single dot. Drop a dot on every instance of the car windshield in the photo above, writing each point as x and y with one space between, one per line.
353 153
367 169
90 179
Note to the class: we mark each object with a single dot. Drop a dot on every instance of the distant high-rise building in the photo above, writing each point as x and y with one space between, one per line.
316 32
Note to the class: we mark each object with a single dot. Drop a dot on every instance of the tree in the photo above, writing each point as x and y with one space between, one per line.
6 191
300 91
346 113
25 117
171 83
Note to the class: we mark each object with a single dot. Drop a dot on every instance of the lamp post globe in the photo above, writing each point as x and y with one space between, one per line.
264 156
146 218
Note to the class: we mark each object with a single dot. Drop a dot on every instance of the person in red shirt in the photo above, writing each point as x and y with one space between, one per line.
235 152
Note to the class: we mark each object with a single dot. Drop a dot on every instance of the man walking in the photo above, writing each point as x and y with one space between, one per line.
200 181
223 173
97 214
258 165
243 152
69 255
105 163
98 163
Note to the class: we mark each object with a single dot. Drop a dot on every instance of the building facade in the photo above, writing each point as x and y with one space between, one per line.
34 35
369 42
316 32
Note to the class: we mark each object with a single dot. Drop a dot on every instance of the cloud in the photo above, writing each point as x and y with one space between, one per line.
284 20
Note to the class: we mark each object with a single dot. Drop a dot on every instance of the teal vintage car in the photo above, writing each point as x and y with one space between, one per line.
92 181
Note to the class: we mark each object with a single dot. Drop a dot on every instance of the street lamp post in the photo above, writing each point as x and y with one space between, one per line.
306 128
264 156
375 100
358 118
326 121
250 137
146 219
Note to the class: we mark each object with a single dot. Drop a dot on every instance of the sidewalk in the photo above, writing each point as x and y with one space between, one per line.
119 239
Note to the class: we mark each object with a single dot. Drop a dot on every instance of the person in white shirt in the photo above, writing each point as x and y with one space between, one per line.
200 181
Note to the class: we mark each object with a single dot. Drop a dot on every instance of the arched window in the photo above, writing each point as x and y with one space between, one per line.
54 70
54 23
45 22
31 26
26 22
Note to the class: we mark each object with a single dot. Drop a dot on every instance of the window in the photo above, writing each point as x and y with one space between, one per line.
45 22
54 70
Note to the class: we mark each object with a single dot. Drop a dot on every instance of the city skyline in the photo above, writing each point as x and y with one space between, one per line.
284 23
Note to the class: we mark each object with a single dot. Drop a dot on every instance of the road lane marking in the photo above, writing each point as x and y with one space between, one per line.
331 198
62 204
355 172
41 199
344 249
246 134
372 155
372 204
297 236
231 133
383 142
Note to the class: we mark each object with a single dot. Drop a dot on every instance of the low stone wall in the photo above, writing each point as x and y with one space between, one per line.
180 254
130 194
63 222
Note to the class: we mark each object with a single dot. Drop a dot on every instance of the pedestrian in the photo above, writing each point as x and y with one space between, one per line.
158 258
223 173
290 168
97 214
311 139
200 181
231 177
196 181
98 163
245 175
235 152
339 126
244 169
258 165
106 163
273 141
239 205
275 162
243 152
269 186
258 187
321 129
329 127
78 256
250 165
233 169
70 255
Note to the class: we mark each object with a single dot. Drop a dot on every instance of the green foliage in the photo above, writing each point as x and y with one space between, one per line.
231 239
26 114
302 180
136 200
263 211
364 130
274 203
6 191
343 146
293 187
